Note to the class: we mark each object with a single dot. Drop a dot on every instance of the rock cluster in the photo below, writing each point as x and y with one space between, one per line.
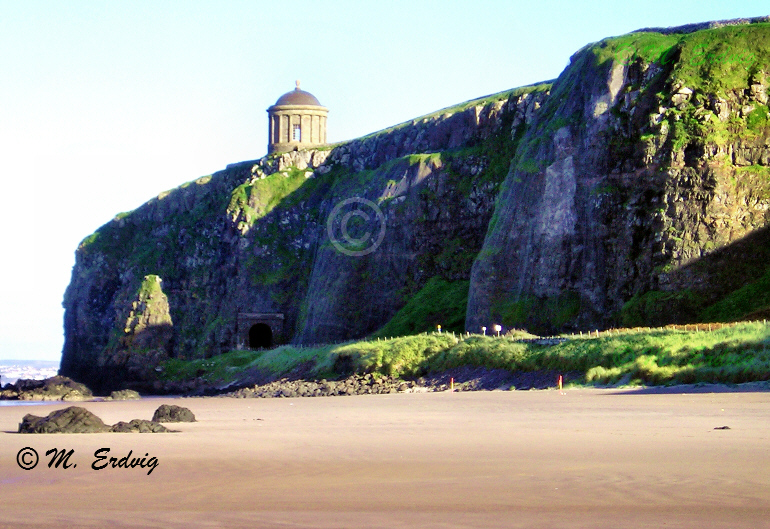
54 388
466 378
354 385
76 419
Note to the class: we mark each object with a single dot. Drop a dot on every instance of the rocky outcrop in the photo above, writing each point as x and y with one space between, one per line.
632 190
54 388
79 420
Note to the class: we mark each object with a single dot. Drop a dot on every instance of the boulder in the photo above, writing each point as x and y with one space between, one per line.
54 388
69 420
125 394
139 426
172 413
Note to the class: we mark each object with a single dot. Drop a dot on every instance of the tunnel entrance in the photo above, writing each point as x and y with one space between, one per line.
257 330
260 336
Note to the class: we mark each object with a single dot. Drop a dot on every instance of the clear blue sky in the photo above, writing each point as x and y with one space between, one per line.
104 104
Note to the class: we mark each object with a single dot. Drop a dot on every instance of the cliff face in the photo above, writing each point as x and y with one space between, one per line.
641 182
637 182
335 240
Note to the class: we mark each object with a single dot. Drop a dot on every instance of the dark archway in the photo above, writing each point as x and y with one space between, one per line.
260 336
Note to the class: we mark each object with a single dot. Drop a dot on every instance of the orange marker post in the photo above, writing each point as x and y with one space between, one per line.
561 384
451 384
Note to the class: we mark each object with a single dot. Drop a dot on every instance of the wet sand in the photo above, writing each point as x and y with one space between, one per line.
590 458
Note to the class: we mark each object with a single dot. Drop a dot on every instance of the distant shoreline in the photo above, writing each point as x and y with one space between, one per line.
15 369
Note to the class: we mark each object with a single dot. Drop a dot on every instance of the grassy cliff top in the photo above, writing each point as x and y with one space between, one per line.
714 59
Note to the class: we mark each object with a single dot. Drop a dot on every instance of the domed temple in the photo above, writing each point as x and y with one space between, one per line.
296 121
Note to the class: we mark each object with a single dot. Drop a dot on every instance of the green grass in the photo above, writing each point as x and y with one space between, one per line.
655 307
713 60
407 356
649 47
641 356
229 366
752 297
252 201
440 302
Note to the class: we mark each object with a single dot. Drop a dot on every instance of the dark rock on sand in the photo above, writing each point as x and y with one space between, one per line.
172 413
125 394
140 426
79 420
69 420
54 388
465 378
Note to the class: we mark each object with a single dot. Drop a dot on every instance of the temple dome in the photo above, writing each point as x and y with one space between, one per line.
298 97
296 121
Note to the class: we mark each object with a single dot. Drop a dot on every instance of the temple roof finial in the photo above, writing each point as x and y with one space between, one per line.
297 83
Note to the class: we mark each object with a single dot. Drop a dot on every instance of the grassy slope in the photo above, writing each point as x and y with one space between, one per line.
750 298
440 302
666 356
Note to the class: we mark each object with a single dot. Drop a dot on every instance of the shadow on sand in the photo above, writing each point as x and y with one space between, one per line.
748 387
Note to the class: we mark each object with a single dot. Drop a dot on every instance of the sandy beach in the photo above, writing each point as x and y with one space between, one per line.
589 458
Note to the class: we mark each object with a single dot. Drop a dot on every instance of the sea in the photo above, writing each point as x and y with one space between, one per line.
13 370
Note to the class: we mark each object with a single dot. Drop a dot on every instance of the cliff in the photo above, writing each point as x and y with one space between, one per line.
640 195
633 189
255 239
